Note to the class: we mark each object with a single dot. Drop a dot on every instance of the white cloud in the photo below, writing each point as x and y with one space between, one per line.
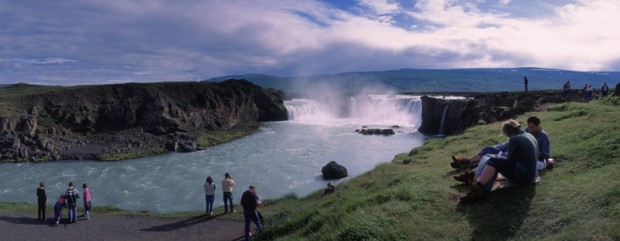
44 61
503 2
163 41
381 7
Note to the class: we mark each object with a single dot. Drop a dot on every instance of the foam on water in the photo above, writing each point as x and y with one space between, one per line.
280 158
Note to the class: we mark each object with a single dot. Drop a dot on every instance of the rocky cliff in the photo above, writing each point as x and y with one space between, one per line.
481 108
128 120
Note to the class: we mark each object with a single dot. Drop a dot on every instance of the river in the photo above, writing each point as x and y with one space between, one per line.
280 158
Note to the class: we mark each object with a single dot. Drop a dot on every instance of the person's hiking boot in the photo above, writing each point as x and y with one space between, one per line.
467 177
460 163
476 193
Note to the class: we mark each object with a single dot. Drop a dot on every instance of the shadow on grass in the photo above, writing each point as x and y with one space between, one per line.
181 224
501 214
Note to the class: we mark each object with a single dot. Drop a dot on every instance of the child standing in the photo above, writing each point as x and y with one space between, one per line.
86 201
60 204
209 194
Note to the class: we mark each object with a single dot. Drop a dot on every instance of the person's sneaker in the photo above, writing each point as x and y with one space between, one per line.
476 193
211 213
233 211
466 177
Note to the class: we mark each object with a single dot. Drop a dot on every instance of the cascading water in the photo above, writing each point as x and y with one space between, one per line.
280 158
442 125
366 110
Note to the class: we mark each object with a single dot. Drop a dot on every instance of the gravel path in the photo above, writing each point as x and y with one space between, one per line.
113 227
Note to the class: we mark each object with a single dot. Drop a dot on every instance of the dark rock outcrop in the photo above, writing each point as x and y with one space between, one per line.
334 170
377 131
459 114
481 108
90 122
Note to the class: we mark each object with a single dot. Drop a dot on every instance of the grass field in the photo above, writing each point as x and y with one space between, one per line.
414 197
578 200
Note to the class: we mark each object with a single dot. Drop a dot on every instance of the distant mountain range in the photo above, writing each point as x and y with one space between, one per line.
437 80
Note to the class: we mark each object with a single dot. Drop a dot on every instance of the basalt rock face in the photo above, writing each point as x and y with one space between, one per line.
455 114
92 121
480 108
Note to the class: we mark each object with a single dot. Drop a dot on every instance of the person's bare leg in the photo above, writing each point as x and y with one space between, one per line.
474 160
487 174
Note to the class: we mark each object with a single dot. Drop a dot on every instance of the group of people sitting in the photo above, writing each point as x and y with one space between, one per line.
519 159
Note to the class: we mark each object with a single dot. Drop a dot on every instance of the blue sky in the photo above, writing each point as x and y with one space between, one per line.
115 41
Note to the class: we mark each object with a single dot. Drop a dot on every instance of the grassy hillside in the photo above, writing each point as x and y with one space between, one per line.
415 198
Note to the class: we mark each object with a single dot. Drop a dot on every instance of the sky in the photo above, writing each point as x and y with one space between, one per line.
73 42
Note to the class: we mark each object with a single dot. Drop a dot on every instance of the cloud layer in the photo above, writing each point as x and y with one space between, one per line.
90 41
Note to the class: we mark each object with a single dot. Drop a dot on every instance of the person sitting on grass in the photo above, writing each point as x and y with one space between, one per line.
533 127
329 190
519 164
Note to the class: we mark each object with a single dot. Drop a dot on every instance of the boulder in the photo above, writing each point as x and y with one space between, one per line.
334 170
376 131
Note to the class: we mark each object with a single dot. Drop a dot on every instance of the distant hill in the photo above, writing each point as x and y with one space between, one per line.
438 80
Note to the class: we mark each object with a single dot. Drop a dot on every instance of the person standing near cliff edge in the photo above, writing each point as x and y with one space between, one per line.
227 188
71 196
87 203
525 82
42 201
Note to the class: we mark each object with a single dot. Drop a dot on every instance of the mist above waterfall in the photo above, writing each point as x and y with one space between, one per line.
329 104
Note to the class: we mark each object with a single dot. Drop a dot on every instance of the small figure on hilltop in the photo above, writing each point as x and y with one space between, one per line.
525 82
41 201
329 190
71 196
586 91
210 195
519 165
567 90
87 203
227 188
249 202
605 89
60 204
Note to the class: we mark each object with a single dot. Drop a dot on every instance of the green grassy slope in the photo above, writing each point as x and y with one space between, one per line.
578 200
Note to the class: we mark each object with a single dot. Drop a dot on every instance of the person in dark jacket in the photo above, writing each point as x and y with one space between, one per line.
71 197
42 201
249 202
519 165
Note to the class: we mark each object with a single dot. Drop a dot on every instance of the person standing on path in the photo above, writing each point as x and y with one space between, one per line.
87 204
525 82
42 201
227 188
210 195
249 202
71 196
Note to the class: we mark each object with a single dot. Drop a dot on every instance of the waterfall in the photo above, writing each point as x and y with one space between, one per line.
386 110
442 126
